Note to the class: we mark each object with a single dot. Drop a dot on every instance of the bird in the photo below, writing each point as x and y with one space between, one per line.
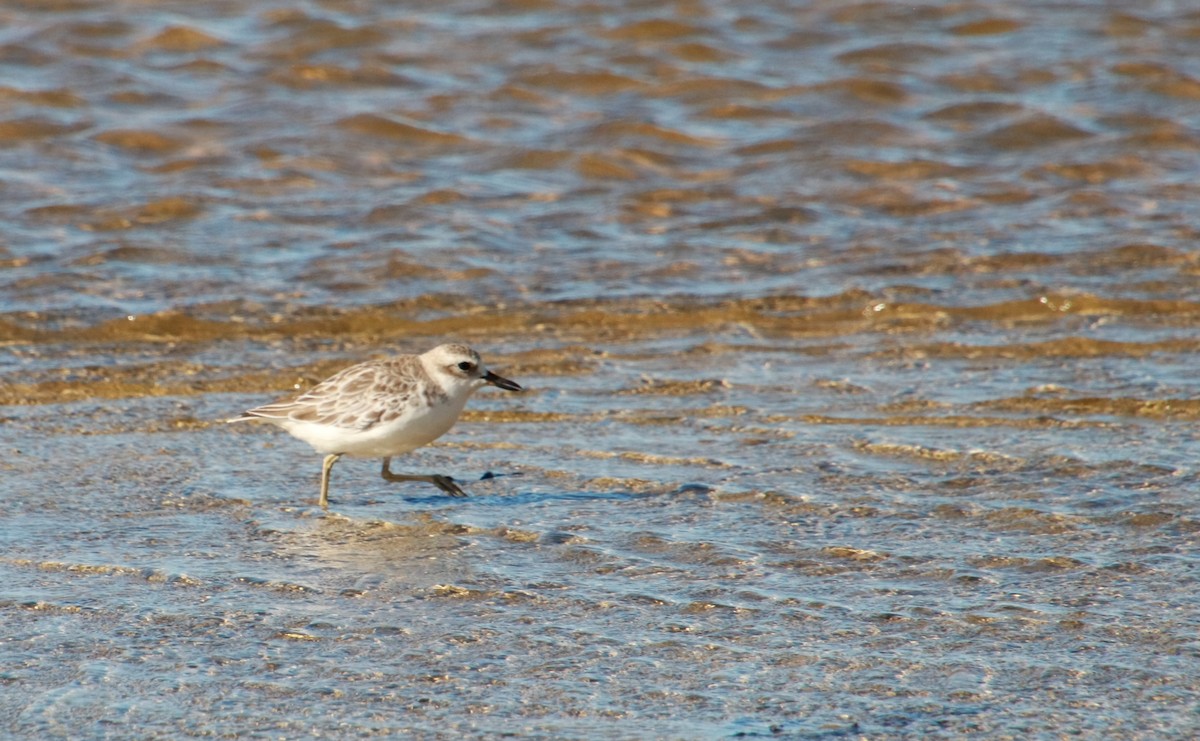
384 408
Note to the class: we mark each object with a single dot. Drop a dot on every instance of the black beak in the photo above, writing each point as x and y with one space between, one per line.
502 382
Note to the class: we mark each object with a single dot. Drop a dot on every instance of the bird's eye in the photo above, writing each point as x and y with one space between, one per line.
465 366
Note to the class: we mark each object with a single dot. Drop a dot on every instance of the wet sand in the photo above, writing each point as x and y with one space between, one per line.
859 342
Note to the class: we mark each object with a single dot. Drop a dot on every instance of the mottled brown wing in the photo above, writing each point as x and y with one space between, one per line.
355 398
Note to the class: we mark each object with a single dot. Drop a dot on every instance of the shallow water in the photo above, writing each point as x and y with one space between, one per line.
859 339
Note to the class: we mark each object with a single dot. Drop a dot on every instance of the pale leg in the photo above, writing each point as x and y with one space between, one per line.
326 467
445 483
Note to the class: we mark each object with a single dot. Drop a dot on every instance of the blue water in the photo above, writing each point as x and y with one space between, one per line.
858 339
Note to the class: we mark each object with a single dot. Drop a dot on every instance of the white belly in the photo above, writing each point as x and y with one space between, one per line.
407 432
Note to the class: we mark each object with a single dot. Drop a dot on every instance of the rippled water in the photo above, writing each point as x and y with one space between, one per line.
860 343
